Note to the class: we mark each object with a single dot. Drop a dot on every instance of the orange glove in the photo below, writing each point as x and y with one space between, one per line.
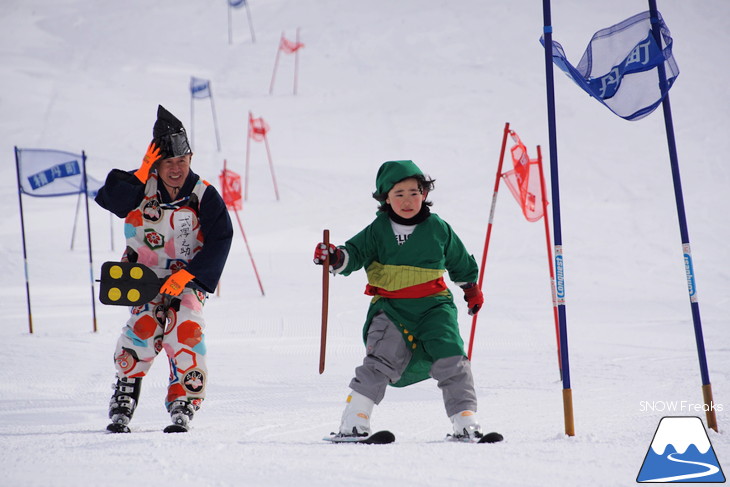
152 156
176 283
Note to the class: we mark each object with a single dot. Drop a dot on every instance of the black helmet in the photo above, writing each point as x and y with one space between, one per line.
169 135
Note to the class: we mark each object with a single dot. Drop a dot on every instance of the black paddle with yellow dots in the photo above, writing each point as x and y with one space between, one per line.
127 284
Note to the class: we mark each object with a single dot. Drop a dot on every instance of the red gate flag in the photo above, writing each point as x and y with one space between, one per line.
231 189
257 128
288 46
524 180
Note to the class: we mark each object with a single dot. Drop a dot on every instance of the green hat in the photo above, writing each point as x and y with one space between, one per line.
393 171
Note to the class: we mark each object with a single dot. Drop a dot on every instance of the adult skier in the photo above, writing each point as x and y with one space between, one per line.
178 225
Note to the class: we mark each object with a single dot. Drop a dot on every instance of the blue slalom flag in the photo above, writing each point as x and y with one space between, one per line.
236 3
619 66
93 185
199 88
45 172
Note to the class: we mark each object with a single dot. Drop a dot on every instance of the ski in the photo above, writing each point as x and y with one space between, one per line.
379 438
175 428
492 437
123 428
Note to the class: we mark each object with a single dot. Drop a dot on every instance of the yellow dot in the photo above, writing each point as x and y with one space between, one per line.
132 295
414 346
410 338
405 331
114 294
136 273
115 272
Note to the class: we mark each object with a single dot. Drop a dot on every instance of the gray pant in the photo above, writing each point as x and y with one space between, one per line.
387 358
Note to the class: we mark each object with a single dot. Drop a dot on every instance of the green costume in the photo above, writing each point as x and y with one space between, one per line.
429 324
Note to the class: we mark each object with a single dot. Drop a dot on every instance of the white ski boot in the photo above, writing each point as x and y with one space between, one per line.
356 416
466 426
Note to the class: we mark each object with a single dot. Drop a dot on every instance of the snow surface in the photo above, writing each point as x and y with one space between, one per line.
428 80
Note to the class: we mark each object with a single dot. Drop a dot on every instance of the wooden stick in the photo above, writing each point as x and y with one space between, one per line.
325 300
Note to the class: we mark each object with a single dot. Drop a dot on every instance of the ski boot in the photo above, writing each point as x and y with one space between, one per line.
123 403
466 427
181 413
356 416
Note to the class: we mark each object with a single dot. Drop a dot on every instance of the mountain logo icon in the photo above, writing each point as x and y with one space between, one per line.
680 452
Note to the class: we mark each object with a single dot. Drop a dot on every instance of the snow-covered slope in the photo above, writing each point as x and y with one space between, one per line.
427 80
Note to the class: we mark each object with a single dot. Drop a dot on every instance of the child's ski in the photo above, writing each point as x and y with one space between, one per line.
379 438
492 437
123 428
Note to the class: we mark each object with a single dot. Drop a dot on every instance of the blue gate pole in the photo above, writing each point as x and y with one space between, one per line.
22 233
88 235
684 233
557 232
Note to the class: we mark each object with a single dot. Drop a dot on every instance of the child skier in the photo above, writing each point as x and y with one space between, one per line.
411 331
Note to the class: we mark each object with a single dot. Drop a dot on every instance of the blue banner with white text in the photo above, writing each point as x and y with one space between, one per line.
44 172
199 88
619 68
